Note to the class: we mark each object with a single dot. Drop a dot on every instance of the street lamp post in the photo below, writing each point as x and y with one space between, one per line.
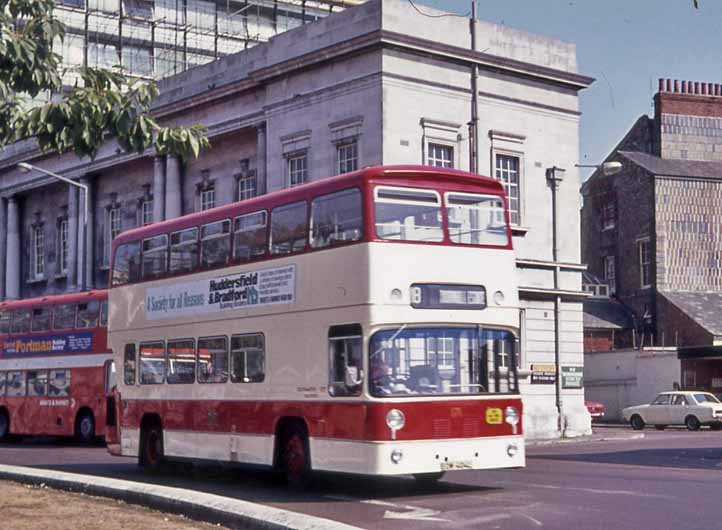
25 167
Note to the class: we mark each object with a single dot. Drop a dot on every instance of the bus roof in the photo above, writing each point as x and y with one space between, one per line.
399 175
60 299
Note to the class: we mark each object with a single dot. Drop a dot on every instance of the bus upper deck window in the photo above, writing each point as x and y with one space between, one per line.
3 378
126 266
155 257
21 321
216 244
88 314
336 218
408 214
184 250
42 317
250 233
476 219
288 228
64 317
104 313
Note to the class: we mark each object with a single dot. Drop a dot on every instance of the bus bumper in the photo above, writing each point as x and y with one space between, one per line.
420 456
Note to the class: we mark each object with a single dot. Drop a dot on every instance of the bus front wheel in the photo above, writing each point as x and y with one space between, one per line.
151 451
4 425
295 458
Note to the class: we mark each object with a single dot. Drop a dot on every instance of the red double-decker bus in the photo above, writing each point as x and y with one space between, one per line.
55 366
364 323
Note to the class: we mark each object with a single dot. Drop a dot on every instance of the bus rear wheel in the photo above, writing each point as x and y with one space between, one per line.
151 450
85 428
4 426
295 460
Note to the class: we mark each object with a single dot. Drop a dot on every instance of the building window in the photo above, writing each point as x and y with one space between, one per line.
608 214
297 169
507 172
63 245
247 188
610 273
146 212
645 260
440 155
208 198
112 230
38 264
347 156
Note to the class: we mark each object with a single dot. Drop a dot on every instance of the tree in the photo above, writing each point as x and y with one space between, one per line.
104 102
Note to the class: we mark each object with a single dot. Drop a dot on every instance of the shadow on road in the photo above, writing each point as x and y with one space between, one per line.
687 458
268 487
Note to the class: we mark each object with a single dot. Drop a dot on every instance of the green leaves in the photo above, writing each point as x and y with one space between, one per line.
103 103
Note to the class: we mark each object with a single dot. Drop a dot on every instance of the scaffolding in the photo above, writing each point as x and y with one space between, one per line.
152 39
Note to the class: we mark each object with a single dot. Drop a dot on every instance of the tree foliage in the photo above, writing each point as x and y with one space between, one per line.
103 102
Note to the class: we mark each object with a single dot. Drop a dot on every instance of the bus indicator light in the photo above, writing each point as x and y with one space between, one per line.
494 416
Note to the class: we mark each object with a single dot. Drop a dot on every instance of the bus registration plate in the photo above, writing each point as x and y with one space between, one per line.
494 416
459 464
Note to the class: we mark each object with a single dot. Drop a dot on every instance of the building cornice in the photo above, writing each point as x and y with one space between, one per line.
377 39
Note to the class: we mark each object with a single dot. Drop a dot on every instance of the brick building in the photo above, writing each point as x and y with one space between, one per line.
652 231
376 83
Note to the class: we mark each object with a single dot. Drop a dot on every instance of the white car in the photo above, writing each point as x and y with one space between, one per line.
688 408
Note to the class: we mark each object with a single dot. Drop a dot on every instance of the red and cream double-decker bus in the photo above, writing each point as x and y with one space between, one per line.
55 366
364 323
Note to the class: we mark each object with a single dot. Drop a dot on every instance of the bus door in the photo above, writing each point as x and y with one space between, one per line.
112 403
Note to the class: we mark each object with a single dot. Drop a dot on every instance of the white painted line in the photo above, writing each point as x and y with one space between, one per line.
408 512
175 499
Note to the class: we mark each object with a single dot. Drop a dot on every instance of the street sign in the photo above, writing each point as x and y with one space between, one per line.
543 374
572 377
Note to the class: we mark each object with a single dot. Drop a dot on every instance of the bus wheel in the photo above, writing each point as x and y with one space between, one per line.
295 457
85 428
426 479
4 426
151 451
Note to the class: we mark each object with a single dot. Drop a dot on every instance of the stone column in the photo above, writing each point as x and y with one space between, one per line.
12 264
89 236
80 259
173 185
3 245
158 188
261 184
72 271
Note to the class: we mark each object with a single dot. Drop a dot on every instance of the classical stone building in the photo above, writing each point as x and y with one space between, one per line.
375 84
652 231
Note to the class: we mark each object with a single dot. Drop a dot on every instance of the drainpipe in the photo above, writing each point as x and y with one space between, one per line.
555 176
474 123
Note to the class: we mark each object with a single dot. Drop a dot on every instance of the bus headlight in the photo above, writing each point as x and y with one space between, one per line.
396 456
395 420
512 450
511 416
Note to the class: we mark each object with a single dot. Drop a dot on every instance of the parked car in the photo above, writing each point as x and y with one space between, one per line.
596 409
692 409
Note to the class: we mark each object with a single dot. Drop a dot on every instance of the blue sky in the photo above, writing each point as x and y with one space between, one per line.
626 45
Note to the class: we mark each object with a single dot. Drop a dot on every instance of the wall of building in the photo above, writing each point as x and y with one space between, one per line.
688 217
625 378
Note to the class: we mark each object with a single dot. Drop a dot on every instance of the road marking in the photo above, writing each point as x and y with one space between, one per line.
602 492
535 521
408 512
486 519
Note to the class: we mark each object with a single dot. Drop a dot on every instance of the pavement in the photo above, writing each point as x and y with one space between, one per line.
229 512
232 513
